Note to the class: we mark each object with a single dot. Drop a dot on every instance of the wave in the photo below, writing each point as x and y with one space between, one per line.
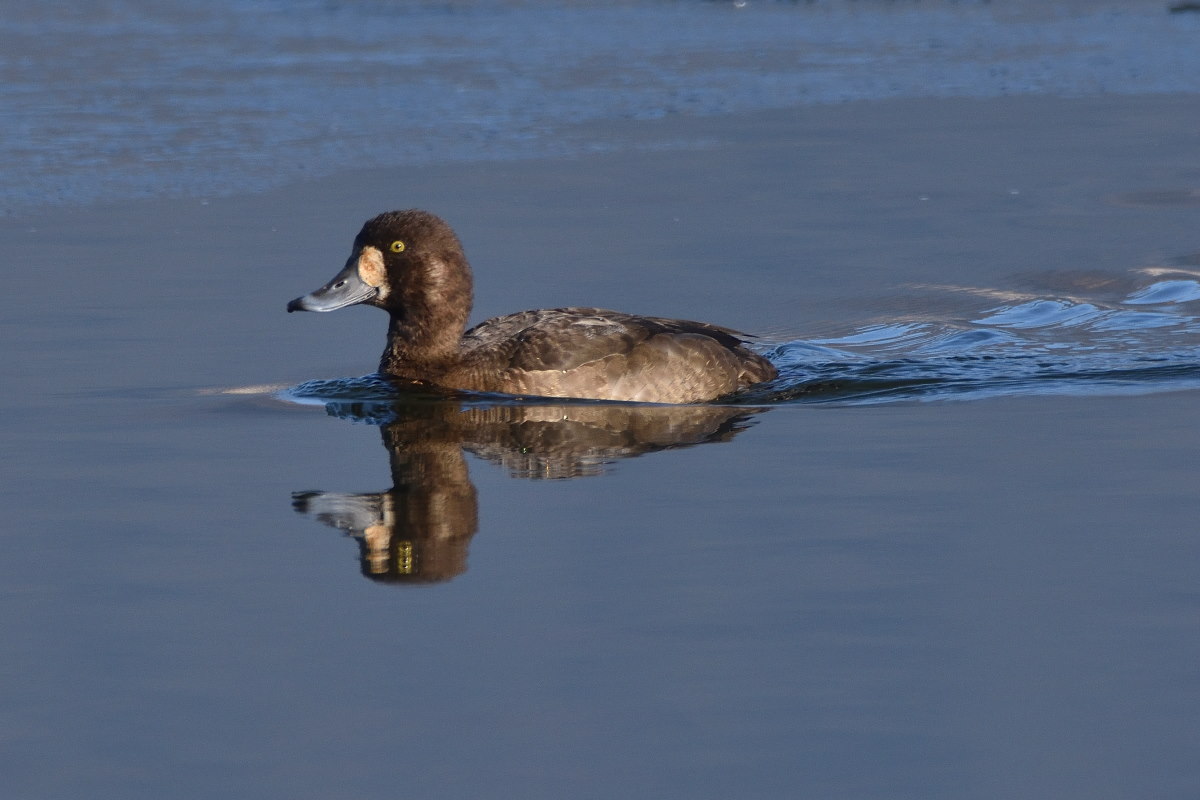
1147 341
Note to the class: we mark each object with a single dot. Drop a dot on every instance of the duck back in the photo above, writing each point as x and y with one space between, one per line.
607 355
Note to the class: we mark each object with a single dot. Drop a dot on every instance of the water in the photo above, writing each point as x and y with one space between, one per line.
140 98
1142 343
950 553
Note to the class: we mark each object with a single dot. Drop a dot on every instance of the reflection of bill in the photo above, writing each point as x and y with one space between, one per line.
418 531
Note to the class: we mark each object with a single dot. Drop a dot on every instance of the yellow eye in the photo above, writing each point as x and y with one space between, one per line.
397 246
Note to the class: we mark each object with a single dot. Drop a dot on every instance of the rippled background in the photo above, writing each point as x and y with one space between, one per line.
159 98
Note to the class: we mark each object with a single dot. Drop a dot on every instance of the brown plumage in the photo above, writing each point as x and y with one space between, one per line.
411 264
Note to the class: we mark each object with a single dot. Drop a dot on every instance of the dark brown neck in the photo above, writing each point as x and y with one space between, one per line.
417 350
428 316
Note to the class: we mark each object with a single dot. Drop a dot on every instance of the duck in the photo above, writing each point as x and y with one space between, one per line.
412 265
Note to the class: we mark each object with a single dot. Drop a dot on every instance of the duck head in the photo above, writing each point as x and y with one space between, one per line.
408 263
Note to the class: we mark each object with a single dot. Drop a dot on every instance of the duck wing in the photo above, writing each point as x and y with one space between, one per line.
602 354
568 338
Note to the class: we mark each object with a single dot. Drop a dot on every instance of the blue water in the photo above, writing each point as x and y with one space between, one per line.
136 98
1148 341
839 585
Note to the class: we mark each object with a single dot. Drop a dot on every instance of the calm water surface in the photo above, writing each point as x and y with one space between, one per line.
951 553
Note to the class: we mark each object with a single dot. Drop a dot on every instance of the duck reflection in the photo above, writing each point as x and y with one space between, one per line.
419 530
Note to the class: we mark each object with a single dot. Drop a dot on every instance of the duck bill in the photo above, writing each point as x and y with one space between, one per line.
346 289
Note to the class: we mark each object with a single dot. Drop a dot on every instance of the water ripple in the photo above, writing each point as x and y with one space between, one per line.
1148 341
152 98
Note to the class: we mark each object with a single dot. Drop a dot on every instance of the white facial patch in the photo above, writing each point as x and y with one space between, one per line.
370 267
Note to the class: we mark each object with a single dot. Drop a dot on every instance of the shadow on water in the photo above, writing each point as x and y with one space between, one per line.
1139 339
419 530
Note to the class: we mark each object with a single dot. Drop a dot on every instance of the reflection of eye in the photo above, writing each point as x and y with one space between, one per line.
397 246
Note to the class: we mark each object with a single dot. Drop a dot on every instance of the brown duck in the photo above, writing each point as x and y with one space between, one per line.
410 264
